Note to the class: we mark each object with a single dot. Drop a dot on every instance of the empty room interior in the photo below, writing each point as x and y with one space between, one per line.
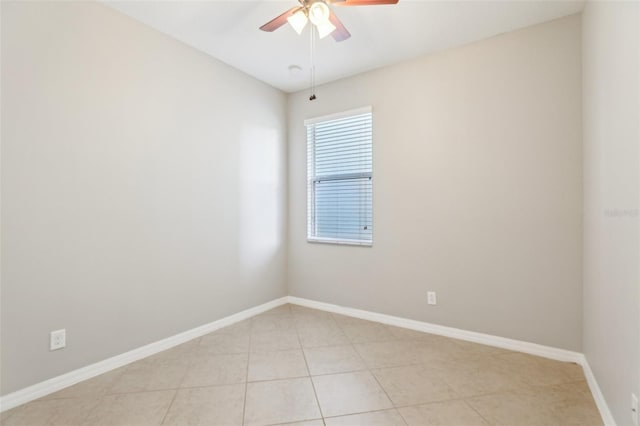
320 212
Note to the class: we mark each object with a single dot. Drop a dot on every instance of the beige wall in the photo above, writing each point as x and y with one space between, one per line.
143 188
611 45
477 189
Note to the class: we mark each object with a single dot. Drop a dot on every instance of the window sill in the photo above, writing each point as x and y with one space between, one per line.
340 242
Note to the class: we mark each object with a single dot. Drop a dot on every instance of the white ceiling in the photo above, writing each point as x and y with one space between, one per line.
381 35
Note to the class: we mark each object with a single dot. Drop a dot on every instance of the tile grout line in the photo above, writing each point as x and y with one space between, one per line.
86 416
184 376
465 398
381 410
164 418
246 378
396 406
464 401
103 394
353 346
368 369
304 356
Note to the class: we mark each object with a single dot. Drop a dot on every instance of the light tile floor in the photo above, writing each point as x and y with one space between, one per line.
294 365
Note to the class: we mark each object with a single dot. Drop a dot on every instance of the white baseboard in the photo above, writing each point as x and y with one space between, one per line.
71 378
475 337
455 333
60 382
598 397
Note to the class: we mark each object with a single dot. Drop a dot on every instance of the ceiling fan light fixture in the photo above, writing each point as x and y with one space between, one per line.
298 21
325 28
319 13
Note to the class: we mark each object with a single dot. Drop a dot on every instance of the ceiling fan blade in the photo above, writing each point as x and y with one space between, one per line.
340 33
276 23
363 2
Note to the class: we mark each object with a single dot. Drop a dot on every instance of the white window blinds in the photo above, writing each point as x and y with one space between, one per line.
339 178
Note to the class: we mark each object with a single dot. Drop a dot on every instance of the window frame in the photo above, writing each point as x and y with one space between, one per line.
311 204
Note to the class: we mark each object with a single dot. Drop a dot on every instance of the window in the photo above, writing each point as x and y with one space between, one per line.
339 179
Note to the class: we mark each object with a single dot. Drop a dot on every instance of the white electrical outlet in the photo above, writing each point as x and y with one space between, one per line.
634 409
431 298
58 339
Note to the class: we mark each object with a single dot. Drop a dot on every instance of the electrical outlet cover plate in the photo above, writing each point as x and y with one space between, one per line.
58 339
431 298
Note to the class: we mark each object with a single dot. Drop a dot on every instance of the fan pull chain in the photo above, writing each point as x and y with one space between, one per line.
312 89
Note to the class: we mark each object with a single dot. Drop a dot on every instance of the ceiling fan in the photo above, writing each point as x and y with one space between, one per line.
320 15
